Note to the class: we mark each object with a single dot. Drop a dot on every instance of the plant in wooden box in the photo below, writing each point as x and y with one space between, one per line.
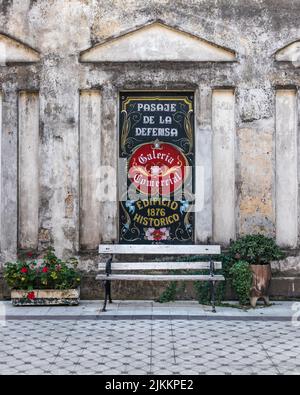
46 281
258 251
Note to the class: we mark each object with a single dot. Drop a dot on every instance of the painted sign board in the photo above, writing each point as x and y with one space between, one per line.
156 146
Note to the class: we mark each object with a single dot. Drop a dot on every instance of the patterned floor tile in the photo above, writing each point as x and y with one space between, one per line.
149 347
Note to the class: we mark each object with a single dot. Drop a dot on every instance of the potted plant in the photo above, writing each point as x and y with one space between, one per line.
258 251
46 281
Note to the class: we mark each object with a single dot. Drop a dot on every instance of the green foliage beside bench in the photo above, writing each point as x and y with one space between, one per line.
255 249
202 288
245 251
241 278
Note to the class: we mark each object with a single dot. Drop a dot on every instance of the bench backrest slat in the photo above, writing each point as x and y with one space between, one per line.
160 265
161 249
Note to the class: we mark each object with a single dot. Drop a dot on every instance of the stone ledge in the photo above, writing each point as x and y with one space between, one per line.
289 266
283 287
288 287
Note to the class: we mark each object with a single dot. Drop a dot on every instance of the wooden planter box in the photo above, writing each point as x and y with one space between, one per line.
45 297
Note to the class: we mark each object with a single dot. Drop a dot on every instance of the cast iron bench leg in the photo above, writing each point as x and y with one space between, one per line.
212 285
106 287
109 292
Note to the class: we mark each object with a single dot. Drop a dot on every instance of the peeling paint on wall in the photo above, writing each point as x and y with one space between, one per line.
256 161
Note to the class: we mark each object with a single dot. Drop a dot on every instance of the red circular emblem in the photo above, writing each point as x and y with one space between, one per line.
157 168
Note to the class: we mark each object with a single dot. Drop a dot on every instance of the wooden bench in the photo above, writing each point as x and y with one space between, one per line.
158 249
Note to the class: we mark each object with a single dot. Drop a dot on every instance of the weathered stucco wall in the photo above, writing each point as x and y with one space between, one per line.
76 106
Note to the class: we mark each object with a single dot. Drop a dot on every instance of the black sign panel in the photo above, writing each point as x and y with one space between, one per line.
157 159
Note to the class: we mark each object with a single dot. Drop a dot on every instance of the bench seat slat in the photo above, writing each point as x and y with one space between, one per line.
159 265
161 249
163 277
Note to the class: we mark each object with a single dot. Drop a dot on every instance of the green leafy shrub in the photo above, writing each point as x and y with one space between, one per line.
47 273
202 288
169 294
255 249
241 279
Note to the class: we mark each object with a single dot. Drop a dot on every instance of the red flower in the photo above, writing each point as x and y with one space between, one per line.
157 235
24 270
29 254
30 295
45 269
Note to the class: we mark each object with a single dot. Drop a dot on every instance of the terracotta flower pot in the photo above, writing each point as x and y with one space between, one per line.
260 284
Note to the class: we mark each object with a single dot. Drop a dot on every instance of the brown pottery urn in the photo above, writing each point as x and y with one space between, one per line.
260 284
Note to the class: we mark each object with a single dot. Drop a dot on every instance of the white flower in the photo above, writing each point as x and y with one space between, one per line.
155 170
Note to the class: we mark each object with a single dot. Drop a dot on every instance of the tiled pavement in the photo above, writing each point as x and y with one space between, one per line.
149 346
